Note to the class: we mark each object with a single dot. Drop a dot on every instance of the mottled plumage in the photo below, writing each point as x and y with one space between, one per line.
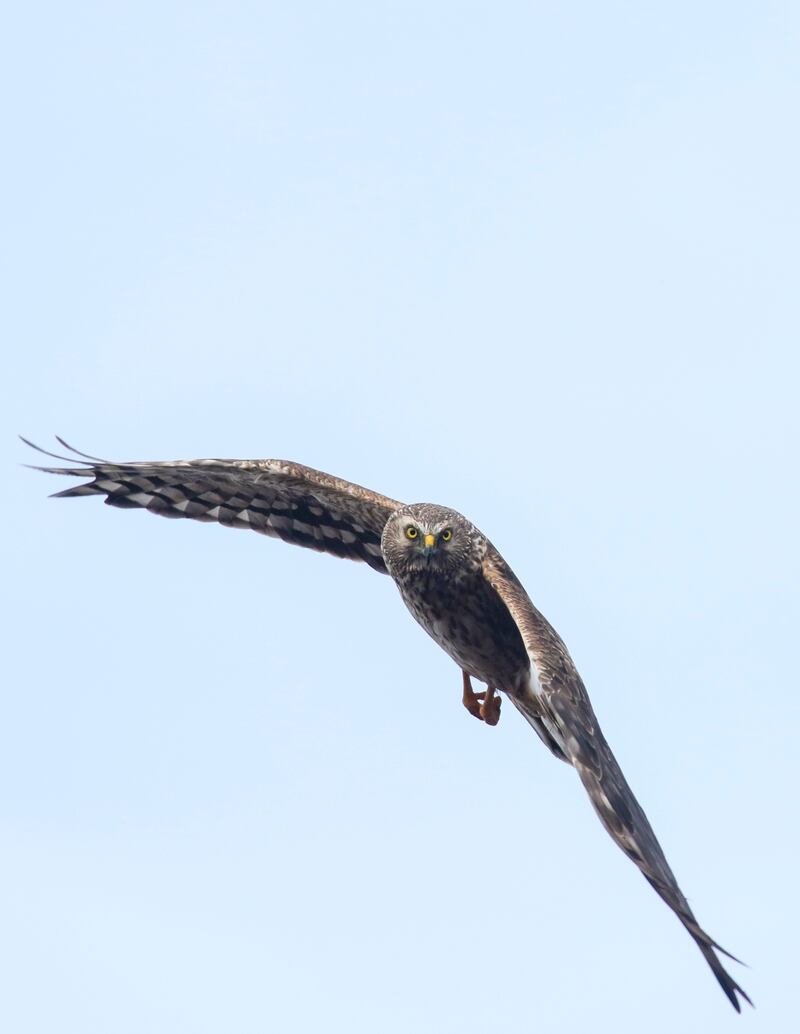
456 585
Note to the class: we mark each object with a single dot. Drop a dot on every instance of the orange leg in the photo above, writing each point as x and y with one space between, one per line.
471 700
483 706
490 707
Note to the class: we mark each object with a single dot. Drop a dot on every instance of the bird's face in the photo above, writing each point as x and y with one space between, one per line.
427 538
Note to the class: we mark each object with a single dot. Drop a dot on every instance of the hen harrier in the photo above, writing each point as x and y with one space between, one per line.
458 588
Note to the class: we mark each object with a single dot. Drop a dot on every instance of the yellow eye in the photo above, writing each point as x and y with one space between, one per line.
446 535
412 532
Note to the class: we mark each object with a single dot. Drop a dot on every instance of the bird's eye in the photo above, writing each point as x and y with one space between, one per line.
446 535
412 532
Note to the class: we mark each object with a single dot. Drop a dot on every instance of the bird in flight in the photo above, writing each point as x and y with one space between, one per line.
456 585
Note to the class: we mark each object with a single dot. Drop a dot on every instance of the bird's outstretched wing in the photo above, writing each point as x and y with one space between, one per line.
560 710
276 497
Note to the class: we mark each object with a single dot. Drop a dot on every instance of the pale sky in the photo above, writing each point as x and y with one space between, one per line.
535 262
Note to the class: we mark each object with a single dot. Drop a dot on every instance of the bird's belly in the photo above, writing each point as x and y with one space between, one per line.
473 626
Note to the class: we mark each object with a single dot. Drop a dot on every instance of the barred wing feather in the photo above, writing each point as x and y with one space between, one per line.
275 497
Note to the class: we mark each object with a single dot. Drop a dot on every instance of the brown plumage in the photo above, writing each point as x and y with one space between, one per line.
456 585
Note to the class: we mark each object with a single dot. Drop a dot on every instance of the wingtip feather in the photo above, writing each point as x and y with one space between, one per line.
85 455
724 979
55 455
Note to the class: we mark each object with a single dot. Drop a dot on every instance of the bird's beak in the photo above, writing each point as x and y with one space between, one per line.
429 545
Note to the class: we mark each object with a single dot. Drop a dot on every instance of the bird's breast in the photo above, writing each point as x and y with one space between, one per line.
470 622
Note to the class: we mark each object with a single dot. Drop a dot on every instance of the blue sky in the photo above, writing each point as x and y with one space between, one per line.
536 262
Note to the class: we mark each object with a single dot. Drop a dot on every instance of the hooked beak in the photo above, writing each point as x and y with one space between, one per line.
429 546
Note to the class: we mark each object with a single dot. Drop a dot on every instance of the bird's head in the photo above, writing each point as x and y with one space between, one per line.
425 537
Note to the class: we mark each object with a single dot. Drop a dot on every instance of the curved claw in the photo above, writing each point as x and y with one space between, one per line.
483 706
490 706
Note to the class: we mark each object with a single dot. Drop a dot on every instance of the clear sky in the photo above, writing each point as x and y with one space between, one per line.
538 262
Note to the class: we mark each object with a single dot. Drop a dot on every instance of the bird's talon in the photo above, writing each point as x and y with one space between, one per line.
490 707
491 714
484 706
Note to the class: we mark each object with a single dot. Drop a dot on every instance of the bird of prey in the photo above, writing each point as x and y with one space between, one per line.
456 585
